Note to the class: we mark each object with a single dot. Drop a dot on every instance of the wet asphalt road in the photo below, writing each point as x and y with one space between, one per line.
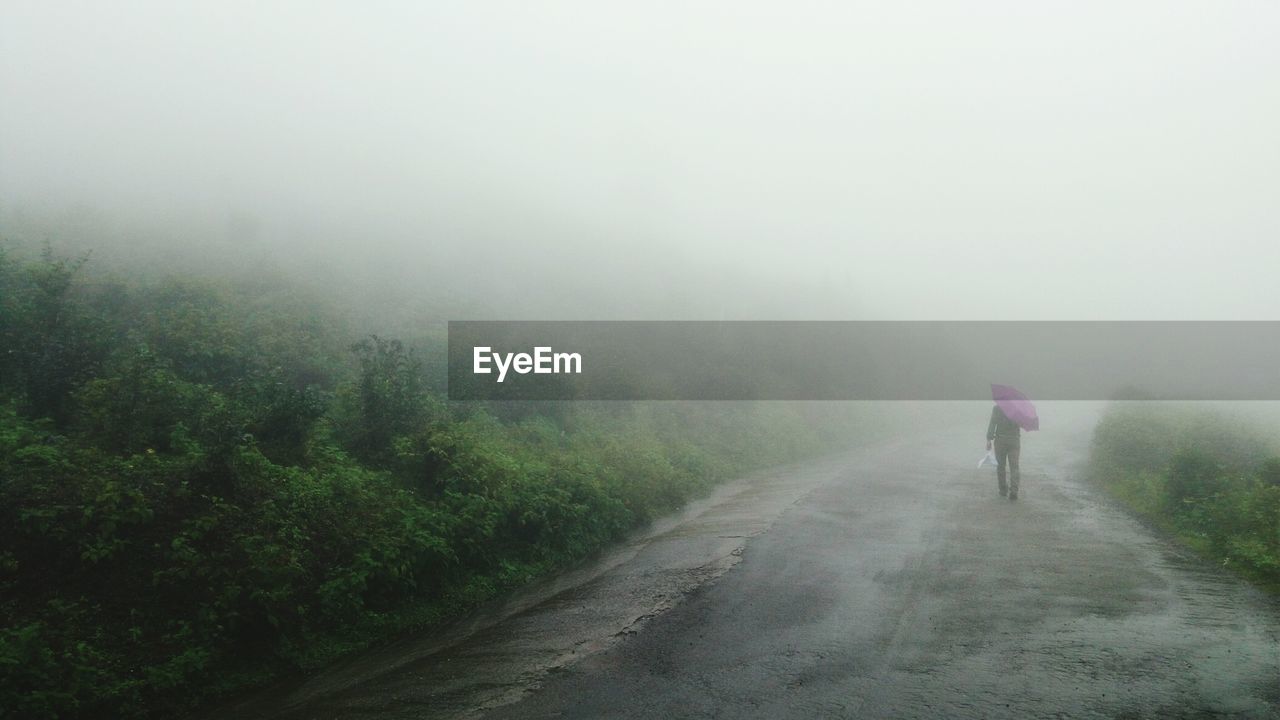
889 582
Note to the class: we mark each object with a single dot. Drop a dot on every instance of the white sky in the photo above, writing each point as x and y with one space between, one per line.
738 159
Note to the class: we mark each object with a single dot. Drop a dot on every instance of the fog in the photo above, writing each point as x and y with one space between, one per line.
287 445
736 160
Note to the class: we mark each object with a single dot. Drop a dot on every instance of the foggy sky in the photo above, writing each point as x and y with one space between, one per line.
738 160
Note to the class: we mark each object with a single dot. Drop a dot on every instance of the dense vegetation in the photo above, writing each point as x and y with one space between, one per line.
1209 478
207 484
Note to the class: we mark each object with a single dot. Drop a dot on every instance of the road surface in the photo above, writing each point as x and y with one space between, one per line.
891 581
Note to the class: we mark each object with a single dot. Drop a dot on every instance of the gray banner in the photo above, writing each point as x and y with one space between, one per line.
659 360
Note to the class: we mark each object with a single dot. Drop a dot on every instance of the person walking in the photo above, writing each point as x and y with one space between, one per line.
1007 437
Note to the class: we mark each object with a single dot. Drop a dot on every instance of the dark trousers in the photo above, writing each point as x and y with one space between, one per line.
1007 451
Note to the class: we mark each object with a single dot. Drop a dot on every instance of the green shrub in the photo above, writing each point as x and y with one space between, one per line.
205 486
1193 475
1269 472
1206 477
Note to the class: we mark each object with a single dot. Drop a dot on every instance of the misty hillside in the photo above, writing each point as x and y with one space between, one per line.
208 484
240 243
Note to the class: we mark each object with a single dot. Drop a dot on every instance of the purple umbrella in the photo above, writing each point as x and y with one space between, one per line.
1016 406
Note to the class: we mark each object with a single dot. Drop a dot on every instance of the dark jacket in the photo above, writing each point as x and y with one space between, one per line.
1002 427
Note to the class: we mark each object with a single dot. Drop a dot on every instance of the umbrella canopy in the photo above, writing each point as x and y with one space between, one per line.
1016 406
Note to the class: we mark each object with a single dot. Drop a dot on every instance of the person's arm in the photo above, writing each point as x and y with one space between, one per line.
991 426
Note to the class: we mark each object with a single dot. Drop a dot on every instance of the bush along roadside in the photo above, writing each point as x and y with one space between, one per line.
1208 478
205 486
